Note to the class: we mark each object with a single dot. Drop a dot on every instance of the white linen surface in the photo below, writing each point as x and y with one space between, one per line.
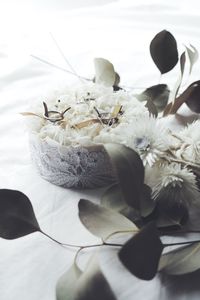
121 32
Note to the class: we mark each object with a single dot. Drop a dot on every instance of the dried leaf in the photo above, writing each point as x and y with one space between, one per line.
163 49
177 85
158 94
30 114
193 56
86 123
17 217
102 221
167 109
191 96
130 172
141 254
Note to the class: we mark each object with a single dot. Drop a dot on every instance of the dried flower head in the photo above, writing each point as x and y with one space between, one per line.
177 178
190 149
148 138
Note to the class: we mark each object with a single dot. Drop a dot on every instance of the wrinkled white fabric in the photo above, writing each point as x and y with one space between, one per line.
121 32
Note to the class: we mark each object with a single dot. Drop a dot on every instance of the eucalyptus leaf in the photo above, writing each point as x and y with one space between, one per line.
141 254
104 72
93 284
181 261
130 172
158 94
193 56
163 49
113 199
89 284
101 221
191 96
177 85
17 217
66 285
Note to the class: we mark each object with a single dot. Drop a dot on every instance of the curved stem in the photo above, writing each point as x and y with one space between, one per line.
81 247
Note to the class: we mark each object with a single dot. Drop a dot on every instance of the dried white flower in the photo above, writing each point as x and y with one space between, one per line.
177 178
148 138
190 148
85 102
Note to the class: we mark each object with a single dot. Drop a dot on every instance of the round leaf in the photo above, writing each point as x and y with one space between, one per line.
163 49
104 72
141 254
17 217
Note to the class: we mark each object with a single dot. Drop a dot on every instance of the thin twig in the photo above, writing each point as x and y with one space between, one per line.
57 67
64 57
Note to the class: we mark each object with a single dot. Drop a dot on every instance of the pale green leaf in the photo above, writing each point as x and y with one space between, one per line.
101 221
66 285
181 261
104 72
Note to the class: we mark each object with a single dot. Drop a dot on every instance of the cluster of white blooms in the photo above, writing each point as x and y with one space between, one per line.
85 102
162 152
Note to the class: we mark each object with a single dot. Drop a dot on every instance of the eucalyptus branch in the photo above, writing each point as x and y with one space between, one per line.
81 247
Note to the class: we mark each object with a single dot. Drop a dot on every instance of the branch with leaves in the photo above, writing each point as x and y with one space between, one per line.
126 208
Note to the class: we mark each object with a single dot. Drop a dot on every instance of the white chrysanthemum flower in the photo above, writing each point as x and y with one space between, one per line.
177 178
190 148
148 138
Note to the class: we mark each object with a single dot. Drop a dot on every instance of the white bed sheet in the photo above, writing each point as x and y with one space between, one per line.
121 32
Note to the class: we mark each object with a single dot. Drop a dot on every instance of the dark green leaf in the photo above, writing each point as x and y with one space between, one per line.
66 285
101 221
141 254
17 217
163 49
130 172
158 94
181 261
